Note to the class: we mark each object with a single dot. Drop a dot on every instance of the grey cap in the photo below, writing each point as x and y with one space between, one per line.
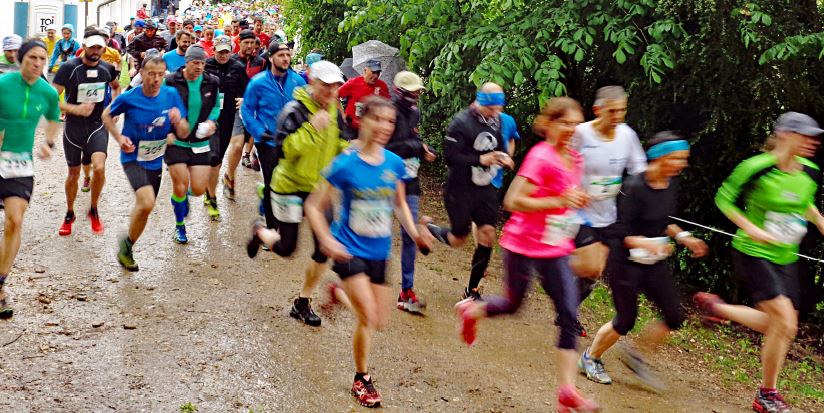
798 123
195 52
374 65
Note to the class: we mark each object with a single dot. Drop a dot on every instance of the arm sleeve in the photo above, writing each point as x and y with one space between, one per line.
345 91
118 106
299 141
637 157
455 151
55 54
726 199
247 112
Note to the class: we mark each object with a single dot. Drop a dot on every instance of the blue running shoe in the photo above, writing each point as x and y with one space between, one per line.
180 234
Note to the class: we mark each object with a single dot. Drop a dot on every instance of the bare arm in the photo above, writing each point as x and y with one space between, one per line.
318 202
518 198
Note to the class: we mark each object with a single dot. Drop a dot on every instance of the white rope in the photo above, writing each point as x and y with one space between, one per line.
736 236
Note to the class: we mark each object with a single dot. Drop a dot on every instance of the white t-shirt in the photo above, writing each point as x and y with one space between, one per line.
604 166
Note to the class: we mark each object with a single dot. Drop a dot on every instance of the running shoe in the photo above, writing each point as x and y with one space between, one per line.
468 326
180 234
87 184
332 301
365 393
94 217
253 244
572 401
6 311
593 369
706 302
770 402
408 301
474 294
245 161
639 366
255 163
66 227
302 310
124 255
211 209
579 328
228 188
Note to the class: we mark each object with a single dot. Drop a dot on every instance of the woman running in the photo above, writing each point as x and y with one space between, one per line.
645 205
537 240
777 190
360 239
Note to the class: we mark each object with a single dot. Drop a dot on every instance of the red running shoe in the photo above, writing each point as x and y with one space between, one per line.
365 393
97 226
706 303
66 227
571 401
468 326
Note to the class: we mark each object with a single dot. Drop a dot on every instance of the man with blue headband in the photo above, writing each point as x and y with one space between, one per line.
474 152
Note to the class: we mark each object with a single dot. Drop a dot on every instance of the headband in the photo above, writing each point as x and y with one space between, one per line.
27 46
666 148
490 99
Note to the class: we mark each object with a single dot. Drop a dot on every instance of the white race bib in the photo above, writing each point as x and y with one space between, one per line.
604 187
358 109
16 165
483 175
150 150
91 92
200 149
371 218
787 228
560 228
412 166
287 208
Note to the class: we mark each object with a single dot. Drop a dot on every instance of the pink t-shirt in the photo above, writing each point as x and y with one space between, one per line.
549 233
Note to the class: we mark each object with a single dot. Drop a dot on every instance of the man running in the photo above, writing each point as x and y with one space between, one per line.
265 97
85 81
474 152
8 60
356 89
150 111
175 59
191 157
149 39
26 97
309 138
254 64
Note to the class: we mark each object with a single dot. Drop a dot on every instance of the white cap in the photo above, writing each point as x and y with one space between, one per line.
94 41
326 72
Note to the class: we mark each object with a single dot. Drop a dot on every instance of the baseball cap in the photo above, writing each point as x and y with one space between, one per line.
198 28
408 81
12 42
374 65
150 24
246 34
139 23
798 123
326 72
223 43
94 40
313 58
275 46
171 20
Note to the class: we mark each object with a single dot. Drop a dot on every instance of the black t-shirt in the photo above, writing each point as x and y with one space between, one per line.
85 84
645 211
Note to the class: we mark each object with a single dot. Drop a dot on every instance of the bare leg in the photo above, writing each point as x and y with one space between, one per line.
778 337
233 154
365 304
199 178
310 281
653 336
746 316
99 168
15 208
71 187
605 338
144 203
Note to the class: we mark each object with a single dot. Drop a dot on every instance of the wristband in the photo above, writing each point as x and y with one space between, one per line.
681 235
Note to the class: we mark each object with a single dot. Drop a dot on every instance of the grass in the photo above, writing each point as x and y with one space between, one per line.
188 408
732 352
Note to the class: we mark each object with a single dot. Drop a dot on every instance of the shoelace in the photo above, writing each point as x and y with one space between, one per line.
776 399
599 367
370 388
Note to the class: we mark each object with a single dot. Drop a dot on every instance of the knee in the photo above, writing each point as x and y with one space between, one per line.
622 325
786 324
144 206
99 168
486 235
14 220
74 173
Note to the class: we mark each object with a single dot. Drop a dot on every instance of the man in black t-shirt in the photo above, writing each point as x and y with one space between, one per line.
85 80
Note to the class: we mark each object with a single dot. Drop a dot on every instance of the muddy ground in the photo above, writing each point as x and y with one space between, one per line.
204 324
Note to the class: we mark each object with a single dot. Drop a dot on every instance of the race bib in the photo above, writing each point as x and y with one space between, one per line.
91 92
371 218
16 165
412 165
787 228
220 101
150 150
358 109
560 229
483 175
287 208
200 149
604 187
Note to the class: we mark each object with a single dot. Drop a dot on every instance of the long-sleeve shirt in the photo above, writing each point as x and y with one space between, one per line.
406 143
468 137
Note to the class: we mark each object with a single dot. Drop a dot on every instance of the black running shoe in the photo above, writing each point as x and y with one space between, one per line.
302 310
253 244
474 294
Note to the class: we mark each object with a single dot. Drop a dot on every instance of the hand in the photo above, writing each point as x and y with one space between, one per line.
174 115
132 73
83 109
424 240
142 55
761 236
575 198
428 155
506 161
170 139
489 159
320 120
657 248
211 127
45 151
238 102
696 246
126 144
335 250
266 136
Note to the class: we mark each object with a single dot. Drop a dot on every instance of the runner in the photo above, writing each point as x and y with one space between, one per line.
149 39
26 98
537 240
8 61
356 89
267 94
360 240
308 137
777 193
191 157
208 41
86 81
65 47
171 32
610 149
51 38
644 230
258 30
254 65
150 111
176 58
230 128
474 152
407 143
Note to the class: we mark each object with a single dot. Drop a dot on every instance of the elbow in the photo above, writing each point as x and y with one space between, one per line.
510 204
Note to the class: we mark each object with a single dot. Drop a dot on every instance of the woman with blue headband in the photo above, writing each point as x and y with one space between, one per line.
645 205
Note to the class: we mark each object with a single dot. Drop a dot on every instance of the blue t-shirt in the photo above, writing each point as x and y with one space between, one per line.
509 130
147 123
364 225
173 61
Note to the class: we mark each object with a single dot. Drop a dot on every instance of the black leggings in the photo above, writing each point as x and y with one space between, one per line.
289 234
656 282
267 155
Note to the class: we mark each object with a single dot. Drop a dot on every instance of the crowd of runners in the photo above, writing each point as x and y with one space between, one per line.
587 201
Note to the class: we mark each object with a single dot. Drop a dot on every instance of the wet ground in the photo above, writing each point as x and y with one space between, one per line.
204 324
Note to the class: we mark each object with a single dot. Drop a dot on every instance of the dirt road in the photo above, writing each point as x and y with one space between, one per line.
204 324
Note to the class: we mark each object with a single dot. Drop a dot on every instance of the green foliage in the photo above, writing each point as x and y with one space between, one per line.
718 71
188 407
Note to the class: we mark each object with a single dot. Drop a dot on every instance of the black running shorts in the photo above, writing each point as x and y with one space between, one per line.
81 141
465 206
374 269
179 154
17 187
765 280
139 176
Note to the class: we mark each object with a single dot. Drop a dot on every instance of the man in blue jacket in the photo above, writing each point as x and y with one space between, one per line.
266 95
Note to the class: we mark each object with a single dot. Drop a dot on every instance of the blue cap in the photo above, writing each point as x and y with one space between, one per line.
139 23
198 28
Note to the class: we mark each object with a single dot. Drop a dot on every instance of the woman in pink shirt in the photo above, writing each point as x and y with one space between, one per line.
538 239
208 41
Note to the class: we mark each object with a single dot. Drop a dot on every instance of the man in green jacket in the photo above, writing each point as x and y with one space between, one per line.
308 138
